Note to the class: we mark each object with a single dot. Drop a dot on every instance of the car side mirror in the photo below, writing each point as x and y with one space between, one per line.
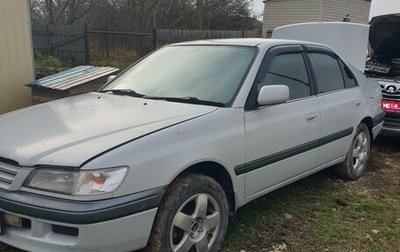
110 78
273 94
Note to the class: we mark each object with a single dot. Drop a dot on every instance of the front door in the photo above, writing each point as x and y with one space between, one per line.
282 139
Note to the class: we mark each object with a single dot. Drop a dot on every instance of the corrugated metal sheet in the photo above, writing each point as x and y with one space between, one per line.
73 77
283 12
16 56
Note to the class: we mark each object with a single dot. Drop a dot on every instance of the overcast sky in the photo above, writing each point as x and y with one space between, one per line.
378 7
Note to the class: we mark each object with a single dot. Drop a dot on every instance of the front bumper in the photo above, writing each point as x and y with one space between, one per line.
392 123
52 224
123 234
79 212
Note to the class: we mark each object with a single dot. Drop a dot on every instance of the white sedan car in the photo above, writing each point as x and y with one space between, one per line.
163 155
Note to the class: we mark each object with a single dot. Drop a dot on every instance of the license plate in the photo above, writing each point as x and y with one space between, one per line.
390 106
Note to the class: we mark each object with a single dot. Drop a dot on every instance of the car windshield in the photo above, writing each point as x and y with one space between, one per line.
191 73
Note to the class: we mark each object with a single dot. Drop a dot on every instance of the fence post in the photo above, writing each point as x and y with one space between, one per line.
50 47
154 39
87 51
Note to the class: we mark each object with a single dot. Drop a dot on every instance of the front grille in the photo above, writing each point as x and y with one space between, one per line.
390 89
388 96
8 172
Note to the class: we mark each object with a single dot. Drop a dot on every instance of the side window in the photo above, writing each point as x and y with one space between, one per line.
288 69
327 72
349 78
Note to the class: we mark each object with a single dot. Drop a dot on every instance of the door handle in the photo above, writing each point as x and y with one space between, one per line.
311 117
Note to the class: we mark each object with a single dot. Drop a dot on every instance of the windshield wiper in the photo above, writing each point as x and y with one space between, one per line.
187 99
128 92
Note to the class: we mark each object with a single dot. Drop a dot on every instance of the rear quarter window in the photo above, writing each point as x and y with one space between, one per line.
348 76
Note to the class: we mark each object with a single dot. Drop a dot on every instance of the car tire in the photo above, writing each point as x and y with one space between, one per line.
357 157
193 216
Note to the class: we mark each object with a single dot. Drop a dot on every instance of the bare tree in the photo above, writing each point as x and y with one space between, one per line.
143 15
59 11
203 14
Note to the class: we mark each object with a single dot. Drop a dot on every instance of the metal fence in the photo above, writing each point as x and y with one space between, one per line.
63 41
79 45
118 49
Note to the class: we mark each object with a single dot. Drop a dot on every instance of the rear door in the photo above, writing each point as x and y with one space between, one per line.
340 102
281 140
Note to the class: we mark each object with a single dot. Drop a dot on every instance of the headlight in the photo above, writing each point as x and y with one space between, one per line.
81 183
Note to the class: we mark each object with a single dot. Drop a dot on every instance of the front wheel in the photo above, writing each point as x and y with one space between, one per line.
356 160
193 216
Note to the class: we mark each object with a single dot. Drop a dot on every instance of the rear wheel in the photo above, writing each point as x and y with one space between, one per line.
356 161
193 216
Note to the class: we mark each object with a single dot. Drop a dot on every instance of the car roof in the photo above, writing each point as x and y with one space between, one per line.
256 42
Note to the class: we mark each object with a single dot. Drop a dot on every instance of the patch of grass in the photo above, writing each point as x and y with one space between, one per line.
117 56
43 60
46 64
264 219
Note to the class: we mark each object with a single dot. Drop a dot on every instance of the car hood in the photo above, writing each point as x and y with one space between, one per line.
349 40
70 131
384 37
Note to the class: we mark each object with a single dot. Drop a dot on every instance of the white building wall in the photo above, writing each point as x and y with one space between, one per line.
284 12
16 55
336 10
